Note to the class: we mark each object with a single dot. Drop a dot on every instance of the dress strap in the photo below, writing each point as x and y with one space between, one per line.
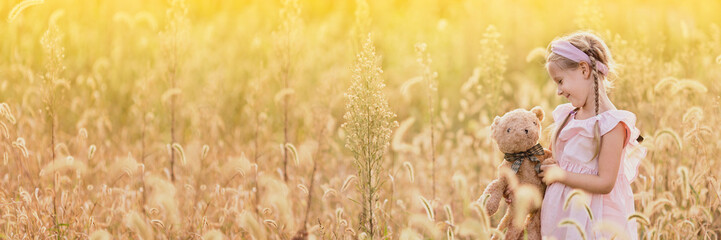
565 122
568 118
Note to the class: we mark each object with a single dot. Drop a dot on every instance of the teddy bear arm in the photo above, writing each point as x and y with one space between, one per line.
495 191
547 157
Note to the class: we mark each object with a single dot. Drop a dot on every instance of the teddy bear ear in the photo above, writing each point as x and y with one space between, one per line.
496 121
539 112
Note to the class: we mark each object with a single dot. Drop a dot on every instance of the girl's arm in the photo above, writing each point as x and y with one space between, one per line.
609 161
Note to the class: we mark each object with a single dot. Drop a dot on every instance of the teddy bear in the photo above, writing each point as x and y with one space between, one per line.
517 133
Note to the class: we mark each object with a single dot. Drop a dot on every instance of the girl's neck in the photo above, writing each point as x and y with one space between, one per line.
589 109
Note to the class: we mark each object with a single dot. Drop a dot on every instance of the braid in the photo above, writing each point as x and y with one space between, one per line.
594 73
597 131
595 84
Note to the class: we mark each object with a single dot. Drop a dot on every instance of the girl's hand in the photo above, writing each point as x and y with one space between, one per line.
551 173
508 194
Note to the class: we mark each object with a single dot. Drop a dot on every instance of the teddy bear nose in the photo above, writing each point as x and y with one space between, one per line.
526 130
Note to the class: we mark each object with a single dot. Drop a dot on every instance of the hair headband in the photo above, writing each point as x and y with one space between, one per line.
567 50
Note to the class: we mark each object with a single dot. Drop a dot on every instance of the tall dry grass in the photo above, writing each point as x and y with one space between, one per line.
175 42
369 123
167 120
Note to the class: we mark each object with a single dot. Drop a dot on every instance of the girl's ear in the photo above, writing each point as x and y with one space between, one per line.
539 112
585 70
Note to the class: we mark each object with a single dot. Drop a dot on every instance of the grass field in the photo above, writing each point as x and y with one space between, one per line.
324 119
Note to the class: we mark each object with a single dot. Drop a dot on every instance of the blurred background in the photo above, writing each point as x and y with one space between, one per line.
221 119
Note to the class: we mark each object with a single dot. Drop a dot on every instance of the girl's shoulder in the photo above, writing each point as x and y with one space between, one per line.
606 120
609 119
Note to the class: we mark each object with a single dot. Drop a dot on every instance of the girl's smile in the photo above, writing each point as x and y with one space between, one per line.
570 84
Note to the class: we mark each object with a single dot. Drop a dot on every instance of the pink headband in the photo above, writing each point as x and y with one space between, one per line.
567 50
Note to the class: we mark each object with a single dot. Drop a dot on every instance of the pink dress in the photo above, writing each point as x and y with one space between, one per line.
575 149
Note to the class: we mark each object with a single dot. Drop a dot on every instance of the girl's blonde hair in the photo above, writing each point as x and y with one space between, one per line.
593 46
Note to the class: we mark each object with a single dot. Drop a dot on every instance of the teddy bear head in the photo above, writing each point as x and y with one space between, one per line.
517 130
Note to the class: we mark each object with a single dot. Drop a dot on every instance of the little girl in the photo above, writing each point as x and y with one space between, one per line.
596 146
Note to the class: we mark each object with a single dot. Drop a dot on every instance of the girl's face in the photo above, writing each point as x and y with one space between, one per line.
572 83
